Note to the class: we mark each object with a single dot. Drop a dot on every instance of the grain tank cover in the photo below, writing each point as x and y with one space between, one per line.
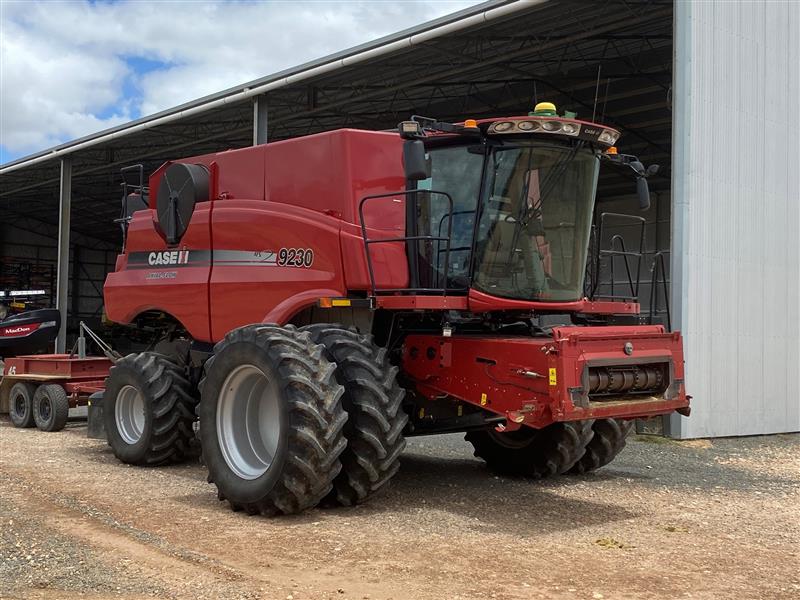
181 187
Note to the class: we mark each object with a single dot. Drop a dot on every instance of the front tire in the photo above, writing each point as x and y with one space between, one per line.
608 441
535 453
271 420
376 418
20 404
148 409
50 407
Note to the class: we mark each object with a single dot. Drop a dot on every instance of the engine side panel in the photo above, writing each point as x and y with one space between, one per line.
152 276
269 261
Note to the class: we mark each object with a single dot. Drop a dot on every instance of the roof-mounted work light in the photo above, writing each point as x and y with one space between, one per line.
409 130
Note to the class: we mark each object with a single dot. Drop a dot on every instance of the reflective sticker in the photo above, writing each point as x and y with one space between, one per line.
553 380
460 410
483 399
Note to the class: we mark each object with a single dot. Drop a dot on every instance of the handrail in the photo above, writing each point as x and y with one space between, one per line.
658 261
432 238
618 249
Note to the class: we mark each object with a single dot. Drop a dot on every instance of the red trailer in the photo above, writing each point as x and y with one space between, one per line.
39 390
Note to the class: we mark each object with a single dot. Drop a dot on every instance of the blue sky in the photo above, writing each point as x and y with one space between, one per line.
70 68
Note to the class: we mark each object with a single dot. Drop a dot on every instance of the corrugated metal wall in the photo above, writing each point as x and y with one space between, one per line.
736 214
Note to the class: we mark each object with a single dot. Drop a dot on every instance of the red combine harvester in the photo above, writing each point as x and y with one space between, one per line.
318 299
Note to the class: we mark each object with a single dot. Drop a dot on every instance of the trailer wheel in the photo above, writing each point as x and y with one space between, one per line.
271 420
608 441
20 404
50 407
535 453
375 422
148 410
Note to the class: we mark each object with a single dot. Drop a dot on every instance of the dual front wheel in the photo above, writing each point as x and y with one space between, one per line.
289 417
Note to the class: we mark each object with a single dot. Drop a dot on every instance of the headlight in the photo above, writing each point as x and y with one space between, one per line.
608 137
569 128
527 125
551 125
503 126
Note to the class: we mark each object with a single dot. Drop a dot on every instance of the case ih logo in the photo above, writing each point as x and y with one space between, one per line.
173 257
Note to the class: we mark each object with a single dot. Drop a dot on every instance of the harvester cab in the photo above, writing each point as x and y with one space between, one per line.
506 207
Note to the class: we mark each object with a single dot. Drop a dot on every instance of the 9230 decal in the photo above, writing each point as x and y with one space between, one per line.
295 257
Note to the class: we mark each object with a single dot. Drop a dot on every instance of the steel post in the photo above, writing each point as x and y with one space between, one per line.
260 120
62 273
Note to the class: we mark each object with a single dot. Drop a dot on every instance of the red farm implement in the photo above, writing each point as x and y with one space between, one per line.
316 300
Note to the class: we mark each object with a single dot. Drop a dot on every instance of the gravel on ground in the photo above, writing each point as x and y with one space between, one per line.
667 519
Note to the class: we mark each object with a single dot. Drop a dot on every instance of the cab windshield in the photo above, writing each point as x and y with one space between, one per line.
534 219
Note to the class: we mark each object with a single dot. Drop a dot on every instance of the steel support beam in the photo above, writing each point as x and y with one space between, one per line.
62 273
674 425
75 305
260 120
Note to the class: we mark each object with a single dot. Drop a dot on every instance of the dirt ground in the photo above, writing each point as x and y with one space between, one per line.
693 519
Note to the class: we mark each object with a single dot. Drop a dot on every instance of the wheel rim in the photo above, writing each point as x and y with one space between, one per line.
129 414
248 421
44 409
19 405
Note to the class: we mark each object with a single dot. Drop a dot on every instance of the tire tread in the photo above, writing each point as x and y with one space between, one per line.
609 440
552 451
316 418
59 406
28 390
172 404
373 402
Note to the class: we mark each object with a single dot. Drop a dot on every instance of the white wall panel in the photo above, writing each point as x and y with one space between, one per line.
736 214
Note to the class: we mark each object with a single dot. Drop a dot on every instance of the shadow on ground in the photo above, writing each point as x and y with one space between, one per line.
463 487
439 474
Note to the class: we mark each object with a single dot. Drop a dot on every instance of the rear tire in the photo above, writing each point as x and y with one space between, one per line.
20 404
50 407
148 409
271 420
608 441
536 453
376 418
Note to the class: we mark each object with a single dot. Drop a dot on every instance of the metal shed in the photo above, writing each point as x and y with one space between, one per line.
704 89
736 214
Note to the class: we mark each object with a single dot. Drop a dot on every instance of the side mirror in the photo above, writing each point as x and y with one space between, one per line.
642 189
637 166
415 163
630 166
643 192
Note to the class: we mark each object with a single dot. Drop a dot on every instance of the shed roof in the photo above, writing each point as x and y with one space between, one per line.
611 58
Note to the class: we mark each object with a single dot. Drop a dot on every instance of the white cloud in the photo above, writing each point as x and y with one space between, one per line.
66 68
